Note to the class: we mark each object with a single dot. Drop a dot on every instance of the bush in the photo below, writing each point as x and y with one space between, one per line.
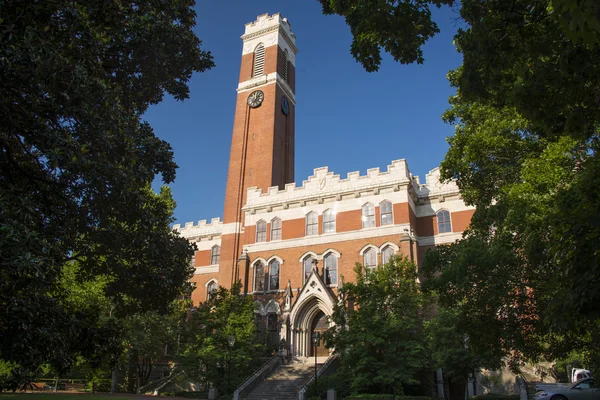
334 381
193 395
367 396
493 396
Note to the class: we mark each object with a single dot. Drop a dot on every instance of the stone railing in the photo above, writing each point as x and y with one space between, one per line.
323 371
257 377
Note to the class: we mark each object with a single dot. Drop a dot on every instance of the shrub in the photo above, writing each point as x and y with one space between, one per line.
493 396
367 396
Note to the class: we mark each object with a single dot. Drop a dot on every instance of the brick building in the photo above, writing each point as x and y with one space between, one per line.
290 244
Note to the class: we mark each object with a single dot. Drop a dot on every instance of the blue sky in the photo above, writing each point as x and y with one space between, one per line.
346 118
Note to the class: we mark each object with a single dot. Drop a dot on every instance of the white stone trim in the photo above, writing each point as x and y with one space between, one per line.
275 257
452 205
210 281
231 228
206 270
442 238
263 80
368 247
309 253
328 238
332 251
390 244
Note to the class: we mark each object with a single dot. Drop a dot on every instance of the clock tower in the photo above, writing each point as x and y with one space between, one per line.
262 145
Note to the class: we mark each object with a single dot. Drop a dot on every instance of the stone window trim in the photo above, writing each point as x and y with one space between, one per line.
388 245
366 249
261 231
276 229
311 224
368 215
215 255
266 264
329 221
211 287
258 65
386 213
444 221
334 257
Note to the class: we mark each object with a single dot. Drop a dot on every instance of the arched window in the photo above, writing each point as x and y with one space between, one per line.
215 255
331 269
312 224
443 221
307 264
259 277
211 289
285 61
368 215
328 221
276 229
274 275
261 231
370 258
387 218
259 60
387 253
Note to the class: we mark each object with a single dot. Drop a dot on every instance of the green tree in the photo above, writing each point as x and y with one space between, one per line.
527 119
206 352
452 351
378 328
76 159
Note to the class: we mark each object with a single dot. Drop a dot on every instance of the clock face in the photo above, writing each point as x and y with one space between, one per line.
256 98
285 105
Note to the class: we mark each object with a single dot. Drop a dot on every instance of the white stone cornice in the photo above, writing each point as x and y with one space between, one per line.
256 83
442 238
206 270
329 238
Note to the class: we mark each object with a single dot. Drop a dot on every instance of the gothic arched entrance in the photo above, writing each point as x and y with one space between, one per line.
319 325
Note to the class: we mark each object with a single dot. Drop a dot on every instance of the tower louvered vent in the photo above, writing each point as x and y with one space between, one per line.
285 65
259 60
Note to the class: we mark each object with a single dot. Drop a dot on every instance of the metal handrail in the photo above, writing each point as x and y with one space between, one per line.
265 367
302 392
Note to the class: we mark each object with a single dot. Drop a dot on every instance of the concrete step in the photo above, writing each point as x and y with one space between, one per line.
283 384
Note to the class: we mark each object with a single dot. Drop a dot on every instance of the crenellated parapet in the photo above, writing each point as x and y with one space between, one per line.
202 229
326 184
434 187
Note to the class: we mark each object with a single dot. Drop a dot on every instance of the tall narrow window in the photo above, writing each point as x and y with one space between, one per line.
211 289
387 217
261 231
331 268
193 260
259 60
370 258
274 275
276 229
443 221
215 255
259 277
307 264
368 215
387 253
328 221
272 329
284 69
312 224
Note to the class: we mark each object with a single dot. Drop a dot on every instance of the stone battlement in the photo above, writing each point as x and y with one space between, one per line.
214 227
326 183
266 21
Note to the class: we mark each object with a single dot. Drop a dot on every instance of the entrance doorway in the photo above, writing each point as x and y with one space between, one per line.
319 325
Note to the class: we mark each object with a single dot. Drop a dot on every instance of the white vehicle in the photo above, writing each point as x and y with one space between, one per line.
580 373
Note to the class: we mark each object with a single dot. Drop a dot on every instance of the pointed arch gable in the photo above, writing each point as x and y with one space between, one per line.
332 251
275 257
272 307
308 253
367 247
211 281
389 244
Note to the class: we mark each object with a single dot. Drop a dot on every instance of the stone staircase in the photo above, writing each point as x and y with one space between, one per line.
284 383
